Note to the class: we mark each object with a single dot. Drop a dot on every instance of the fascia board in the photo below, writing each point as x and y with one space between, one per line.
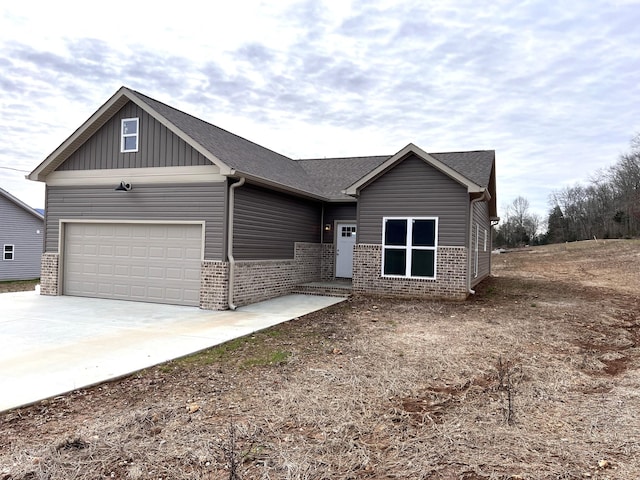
256 180
21 204
98 119
411 148
92 124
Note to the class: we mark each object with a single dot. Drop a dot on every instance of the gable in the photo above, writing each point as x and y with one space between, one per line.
414 189
158 146
411 149
15 210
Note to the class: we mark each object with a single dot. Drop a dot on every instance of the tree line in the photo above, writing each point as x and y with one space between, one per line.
607 207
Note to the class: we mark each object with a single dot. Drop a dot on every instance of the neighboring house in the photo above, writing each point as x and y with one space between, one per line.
148 203
21 234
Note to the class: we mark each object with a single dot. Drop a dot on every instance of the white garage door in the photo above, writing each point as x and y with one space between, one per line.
142 262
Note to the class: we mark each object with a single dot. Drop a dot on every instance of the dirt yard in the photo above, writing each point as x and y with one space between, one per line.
536 377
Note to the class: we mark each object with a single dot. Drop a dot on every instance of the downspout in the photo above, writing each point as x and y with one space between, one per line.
469 256
232 261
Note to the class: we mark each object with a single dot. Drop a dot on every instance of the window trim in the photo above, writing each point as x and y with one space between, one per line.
409 247
11 251
123 135
485 239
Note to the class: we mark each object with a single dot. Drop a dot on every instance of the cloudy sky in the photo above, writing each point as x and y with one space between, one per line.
552 86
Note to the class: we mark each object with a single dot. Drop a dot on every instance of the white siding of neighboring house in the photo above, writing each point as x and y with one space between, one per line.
25 231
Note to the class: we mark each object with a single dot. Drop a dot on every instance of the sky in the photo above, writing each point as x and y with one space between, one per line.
552 86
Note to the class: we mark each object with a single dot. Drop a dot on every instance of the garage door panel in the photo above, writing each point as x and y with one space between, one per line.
157 253
144 262
88 249
192 274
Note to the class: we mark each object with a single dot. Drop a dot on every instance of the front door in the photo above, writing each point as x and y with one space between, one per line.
345 240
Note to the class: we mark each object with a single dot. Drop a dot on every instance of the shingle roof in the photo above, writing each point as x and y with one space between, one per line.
333 175
238 153
476 165
324 179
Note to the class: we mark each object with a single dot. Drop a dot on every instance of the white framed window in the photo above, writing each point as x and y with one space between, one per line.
8 252
409 247
485 239
129 135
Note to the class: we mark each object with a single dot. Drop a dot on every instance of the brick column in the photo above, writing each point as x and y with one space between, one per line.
49 274
214 285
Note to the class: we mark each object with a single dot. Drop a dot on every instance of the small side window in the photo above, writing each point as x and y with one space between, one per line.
485 239
129 135
8 252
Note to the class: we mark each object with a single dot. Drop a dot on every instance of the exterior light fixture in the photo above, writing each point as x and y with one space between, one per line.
123 187
327 227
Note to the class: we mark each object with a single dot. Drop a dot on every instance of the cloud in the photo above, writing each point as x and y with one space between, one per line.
550 86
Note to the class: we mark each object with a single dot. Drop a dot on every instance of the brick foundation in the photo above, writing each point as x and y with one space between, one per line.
450 283
328 262
49 274
257 280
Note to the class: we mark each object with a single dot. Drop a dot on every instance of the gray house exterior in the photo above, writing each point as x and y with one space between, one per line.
147 203
21 235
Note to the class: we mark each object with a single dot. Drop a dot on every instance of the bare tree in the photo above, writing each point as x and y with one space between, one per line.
608 207
519 226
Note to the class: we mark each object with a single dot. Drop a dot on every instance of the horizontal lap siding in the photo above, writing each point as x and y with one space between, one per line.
481 217
267 224
158 147
337 211
414 188
25 232
190 202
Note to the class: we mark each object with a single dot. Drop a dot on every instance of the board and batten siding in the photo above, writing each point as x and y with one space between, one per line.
414 189
157 146
267 224
337 211
187 202
25 232
481 218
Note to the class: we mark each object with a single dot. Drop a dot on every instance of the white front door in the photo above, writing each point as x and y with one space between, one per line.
345 240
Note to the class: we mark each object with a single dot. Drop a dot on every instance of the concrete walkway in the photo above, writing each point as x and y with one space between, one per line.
54 345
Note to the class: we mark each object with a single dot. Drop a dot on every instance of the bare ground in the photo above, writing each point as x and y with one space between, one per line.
536 377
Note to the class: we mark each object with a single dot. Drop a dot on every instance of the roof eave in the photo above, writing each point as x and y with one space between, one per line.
275 185
21 204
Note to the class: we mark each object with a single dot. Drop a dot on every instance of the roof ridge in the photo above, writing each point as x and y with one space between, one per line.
339 158
462 151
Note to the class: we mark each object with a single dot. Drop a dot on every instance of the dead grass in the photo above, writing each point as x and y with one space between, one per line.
534 378
18 285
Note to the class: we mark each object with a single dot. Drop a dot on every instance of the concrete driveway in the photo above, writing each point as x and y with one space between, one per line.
54 345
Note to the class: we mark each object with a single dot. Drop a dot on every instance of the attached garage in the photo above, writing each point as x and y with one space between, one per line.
147 262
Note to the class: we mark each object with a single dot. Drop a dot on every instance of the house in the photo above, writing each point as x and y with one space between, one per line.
21 235
148 203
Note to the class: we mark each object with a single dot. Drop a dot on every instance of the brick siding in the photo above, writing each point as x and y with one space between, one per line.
327 267
49 274
214 284
257 280
450 283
